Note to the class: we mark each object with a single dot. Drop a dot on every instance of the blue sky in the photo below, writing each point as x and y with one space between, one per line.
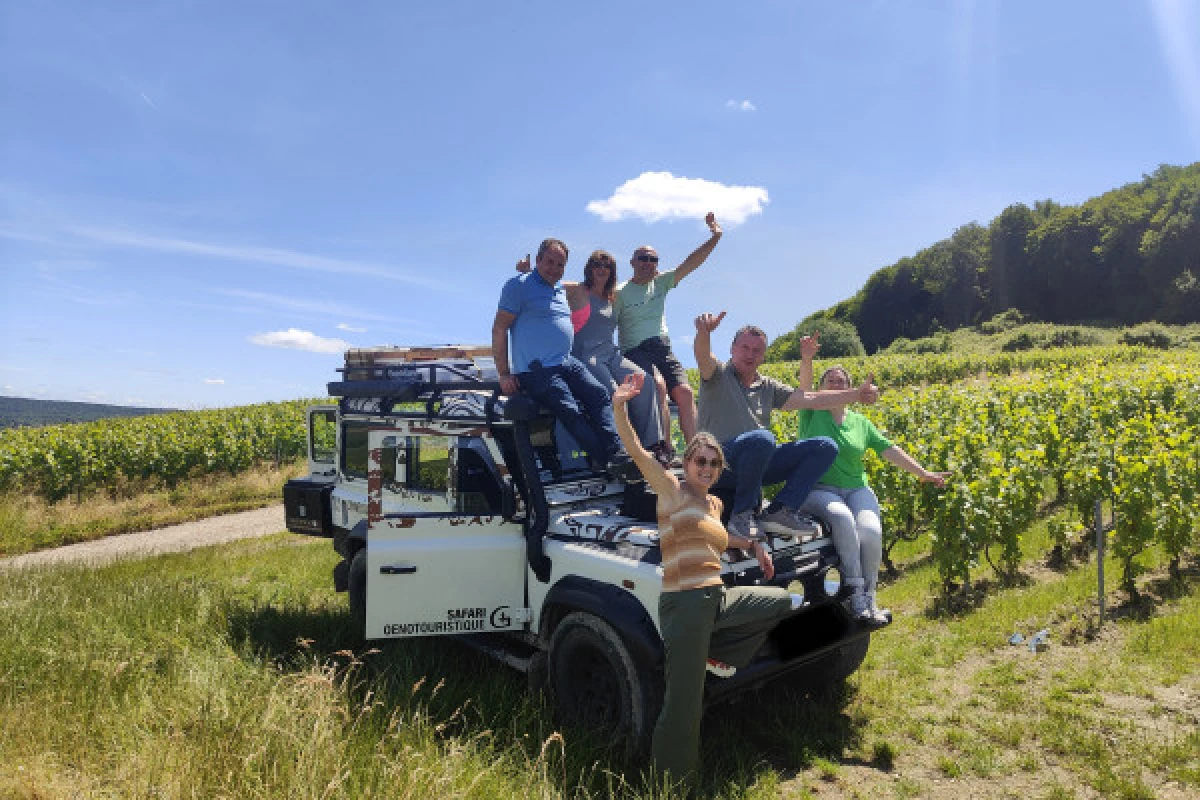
201 203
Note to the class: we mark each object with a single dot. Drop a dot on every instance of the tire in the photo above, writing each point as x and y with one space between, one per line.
832 669
357 590
595 682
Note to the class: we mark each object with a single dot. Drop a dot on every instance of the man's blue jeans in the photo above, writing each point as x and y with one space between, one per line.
753 459
576 398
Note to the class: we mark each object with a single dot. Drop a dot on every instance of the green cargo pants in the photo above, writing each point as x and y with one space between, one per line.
726 624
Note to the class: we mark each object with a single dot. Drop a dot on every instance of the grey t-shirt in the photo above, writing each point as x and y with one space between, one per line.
729 409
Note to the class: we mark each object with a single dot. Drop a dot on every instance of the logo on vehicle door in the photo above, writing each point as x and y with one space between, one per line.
500 618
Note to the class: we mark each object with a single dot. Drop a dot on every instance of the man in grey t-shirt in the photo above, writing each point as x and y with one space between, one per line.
735 406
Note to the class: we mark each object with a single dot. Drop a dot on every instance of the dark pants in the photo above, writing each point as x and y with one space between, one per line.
577 399
729 625
753 459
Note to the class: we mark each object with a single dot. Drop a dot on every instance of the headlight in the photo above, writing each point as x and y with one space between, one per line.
833 582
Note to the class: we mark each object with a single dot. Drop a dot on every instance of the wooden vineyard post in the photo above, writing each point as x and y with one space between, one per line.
1100 559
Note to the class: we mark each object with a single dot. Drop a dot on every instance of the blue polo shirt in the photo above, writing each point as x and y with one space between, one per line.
542 330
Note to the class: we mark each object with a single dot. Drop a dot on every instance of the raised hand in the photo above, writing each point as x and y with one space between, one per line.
524 265
809 345
868 392
630 388
707 322
710 220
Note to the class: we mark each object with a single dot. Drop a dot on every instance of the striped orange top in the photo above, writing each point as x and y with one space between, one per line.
692 539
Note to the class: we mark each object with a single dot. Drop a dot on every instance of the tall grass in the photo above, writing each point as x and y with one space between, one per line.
230 672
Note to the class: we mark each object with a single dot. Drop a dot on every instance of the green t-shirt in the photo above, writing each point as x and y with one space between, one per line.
853 437
639 310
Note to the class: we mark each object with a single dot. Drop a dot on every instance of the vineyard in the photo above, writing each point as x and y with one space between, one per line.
1119 425
1126 434
145 452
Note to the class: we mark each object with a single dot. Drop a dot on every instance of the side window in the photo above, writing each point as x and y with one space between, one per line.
322 436
432 457
354 454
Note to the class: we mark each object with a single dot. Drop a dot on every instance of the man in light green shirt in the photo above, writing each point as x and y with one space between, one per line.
639 307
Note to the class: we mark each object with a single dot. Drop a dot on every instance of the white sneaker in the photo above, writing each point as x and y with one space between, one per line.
720 668
878 616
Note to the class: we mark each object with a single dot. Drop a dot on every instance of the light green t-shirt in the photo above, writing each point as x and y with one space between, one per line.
639 310
854 436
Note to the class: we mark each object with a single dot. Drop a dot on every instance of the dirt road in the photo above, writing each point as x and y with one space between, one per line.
173 539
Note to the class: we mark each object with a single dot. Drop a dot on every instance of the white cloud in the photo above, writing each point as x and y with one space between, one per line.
246 253
341 326
744 105
302 306
215 381
660 195
296 339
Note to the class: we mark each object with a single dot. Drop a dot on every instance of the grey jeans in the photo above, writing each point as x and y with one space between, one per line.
853 514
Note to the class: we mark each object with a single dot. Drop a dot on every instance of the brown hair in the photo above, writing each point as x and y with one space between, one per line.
548 243
836 368
601 258
753 329
705 439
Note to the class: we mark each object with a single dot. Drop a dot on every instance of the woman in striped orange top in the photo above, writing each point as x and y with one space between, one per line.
701 621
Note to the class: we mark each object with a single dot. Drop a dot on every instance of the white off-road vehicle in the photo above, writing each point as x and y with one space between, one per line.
460 512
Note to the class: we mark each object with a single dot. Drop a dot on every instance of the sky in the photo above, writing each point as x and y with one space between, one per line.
202 204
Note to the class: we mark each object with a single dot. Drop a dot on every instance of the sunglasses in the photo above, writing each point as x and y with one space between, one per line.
647 258
703 463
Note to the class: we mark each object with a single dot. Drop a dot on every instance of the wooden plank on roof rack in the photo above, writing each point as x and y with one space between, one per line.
371 356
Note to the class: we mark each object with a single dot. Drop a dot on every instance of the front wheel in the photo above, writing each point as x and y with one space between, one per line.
596 683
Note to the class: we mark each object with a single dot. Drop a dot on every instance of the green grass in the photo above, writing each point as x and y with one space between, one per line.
230 672
28 523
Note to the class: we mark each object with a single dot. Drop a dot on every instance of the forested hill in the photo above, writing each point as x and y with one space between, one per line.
1128 256
20 411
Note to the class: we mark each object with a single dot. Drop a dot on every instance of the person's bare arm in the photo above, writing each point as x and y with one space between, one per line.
500 326
661 481
897 457
698 255
809 345
706 362
867 394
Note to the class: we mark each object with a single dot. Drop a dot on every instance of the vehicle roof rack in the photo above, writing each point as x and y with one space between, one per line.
409 374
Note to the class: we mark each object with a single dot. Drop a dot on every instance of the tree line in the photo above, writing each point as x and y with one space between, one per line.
1130 255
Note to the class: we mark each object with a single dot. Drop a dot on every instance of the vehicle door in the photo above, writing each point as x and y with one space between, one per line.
322 442
441 558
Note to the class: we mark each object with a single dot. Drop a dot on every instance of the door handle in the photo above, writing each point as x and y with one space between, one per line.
397 569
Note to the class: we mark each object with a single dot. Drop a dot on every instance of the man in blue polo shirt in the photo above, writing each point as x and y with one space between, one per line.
533 309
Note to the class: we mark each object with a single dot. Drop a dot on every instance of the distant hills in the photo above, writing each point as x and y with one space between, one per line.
22 411
1130 255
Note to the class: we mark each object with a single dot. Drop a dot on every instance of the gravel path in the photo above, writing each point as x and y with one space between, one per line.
173 539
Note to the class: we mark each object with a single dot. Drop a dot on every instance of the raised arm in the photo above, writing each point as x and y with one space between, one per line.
897 457
706 362
809 345
866 394
500 326
661 481
698 255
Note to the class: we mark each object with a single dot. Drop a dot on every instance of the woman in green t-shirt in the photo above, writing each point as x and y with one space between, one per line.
842 497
